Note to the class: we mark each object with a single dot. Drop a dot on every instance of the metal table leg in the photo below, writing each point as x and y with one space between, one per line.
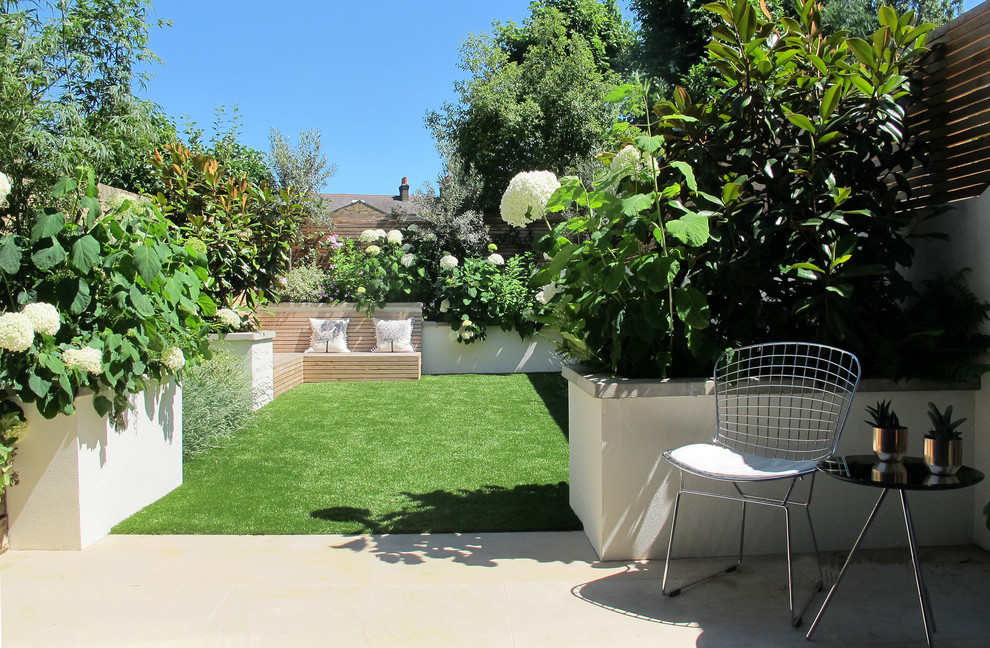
918 578
842 572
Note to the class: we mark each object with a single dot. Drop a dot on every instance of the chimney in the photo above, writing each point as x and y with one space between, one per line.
404 190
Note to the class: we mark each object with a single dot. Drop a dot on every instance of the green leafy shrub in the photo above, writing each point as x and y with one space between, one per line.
216 402
115 301
482 292
245 228
770 211
304 283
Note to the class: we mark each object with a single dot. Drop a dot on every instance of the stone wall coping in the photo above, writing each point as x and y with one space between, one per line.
607 386
244 335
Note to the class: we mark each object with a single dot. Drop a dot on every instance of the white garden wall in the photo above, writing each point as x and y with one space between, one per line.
257 351
968 227
623 491
501 352
79 476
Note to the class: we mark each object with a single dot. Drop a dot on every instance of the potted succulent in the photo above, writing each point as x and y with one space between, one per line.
889 436
943 443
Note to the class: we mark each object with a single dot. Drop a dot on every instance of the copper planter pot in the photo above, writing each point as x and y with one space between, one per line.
943 457
890 444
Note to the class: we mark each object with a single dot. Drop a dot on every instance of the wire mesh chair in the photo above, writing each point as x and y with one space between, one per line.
780 408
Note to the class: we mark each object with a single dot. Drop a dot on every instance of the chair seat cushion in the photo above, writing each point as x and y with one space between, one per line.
718 462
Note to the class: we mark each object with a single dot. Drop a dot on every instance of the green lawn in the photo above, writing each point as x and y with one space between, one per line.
463 453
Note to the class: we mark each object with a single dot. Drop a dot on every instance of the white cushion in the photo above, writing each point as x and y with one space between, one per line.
329 336
721 463
393 335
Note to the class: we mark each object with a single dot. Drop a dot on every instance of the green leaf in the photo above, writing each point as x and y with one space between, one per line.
691 228
82 299
47 225
10 255
571 190
636 203
552 270
64 186
147 262
830 100
862 51
687 172
141 303
85 253
92 207
692 307
207 306
39 385
801 122
49 257
621 93
102 404
810 267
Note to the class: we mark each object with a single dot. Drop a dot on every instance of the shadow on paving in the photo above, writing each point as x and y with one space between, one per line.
527 507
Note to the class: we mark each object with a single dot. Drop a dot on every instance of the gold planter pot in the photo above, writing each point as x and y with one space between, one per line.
890 444
943 457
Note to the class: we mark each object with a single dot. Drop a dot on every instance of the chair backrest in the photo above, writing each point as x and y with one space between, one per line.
784 400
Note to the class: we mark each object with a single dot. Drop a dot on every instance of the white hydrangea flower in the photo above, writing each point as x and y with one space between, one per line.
496 259
173 358
395 236
4 186
373 250
407 247
466 323
116 201
16 332
367 236
632 158
547 292
445 306
229 318
86 358
466 335
380 234
525 199
448 262
408 259
44 317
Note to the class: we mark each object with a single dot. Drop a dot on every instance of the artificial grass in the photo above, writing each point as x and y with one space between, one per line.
464 453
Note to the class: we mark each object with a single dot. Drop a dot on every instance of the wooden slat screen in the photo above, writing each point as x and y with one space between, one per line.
292 330
954 115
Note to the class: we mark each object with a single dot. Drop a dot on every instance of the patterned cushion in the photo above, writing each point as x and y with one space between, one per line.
329 336
393 335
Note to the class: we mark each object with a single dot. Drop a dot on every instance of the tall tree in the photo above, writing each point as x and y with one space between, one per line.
302 166
68 72
859 17
534 99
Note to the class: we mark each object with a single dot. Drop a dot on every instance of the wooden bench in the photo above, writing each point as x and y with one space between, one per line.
292 335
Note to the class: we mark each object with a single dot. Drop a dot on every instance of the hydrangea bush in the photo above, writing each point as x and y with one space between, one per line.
104 301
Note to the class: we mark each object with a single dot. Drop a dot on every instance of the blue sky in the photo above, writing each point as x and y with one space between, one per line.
362 72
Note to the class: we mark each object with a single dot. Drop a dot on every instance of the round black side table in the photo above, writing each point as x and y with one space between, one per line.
910 474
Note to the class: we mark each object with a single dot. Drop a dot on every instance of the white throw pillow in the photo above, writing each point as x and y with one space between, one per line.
329 336
393 335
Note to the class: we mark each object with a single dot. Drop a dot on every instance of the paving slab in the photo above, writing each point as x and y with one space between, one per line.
513 590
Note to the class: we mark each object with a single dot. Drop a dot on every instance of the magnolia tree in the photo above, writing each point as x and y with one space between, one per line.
769 212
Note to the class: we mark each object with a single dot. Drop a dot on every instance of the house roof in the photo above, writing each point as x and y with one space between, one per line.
384 204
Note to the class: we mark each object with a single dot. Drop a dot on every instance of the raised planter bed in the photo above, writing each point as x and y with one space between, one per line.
501 352
623 490
79 476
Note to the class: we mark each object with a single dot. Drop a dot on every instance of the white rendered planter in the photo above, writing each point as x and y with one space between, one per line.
257 350
501 352
79 476
623 491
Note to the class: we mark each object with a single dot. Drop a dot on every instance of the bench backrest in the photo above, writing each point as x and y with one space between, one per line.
290 321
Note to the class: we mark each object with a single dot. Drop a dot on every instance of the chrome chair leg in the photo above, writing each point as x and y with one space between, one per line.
670 544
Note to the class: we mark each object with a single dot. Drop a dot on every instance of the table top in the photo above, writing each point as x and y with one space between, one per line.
910 474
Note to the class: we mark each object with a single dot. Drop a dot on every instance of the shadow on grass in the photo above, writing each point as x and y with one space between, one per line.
552 389
527 507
